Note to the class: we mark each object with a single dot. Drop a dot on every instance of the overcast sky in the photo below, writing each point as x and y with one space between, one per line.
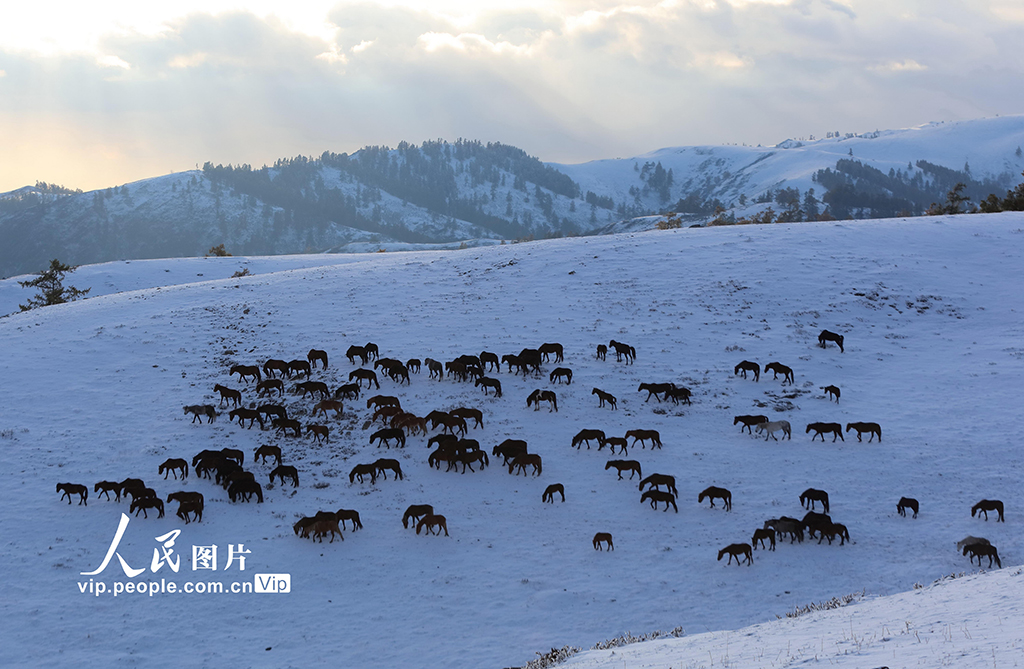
102 93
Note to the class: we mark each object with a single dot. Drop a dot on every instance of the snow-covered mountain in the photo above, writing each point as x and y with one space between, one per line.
445 195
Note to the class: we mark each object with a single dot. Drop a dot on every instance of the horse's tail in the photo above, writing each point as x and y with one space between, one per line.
540 467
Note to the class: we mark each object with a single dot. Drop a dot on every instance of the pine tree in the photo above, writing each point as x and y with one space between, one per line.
51 287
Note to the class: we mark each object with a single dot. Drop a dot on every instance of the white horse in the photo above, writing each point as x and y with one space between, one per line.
969 540
774 426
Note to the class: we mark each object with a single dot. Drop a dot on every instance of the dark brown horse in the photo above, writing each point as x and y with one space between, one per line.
602 352
354 352
749 421
269 386
761 535
656 480
431 522
827 336
538 396
243 414
549 492
655 496
861 428
285 471
559 373
316 355
527 459
488 382
986 505
631 466
312 388
821 429
585 436
811 495
904 504
268 452
273 365
738 551
832 391
655 389
384 464
106 487
143 503
386 435
226 394
363 470
365 374
547 349
173 466
983 550
643 435
490 362
319 432
246 371
712 493
69 489
199 410
747 366
623 351
604 397
778 368
509 449
475 414
415 512
603 538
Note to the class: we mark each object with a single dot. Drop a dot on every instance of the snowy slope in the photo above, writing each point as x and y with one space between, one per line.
931 313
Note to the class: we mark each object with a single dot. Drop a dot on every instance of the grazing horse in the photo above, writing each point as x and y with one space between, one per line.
510 449
604 397
173 466
538 396
267 452
820 429
320 528
969 540
679 394
386 435
272 365
986 505
383 464
243 414
632 466
269 386
904 504
747 366
983 550
833 391
105 487
468 458
300 366
349 514
612 442
354 352
748 421
383 401
827 336
275 410
643 435
328 405
771 427
584 436
602 352
656 480
488 382
431 521
414 365
811 495
816 522
319 432
371 349
245 489
713 492
199 410
489 361
547 349
549 492
451 423
314 355
312 388
348 391
761 535
778 368
872 428
656 496
228 394
738 551
415 512
188 503
560 373
603 538
70 489
245 371
368 374
524 459
832 530
363 470
285 471
285 424
784 525
623 350
475 414
143 503
655 389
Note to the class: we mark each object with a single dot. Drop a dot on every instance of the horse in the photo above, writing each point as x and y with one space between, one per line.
200 410
233 454
538 396
738 551
488 382
833 391
386 413
398 373
173 466
300 367
465 413
368 374
387 463
349 514
832 530
861 428
986 505
749 421
468 458
133 487
245 371
509 449
435 369
363 470
821 428
245 489
383 401
761 535
312 388
285 424
315 355
143 503
656 480
603 538
452 423
827 336
431 521
778 368
513 361
70 489
354 352
188 503
320 528
272 365
679 394
816 522
105 487
228 394
623 350
414 365
643 435
904 504
632 466
410 423
386 435
784 525
319 432
604 397
275 410
371 349
602 352
655 389
415 512
549 492
524 459
456 369
489 361
243 414
747 366
530 358
713 492
269 386
656 496
560 373
969 541
267 452
810 496
771 427
584 436
328 405
348 391
983 550
547 349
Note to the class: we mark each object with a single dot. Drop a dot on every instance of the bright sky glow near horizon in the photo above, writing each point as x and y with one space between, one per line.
99 94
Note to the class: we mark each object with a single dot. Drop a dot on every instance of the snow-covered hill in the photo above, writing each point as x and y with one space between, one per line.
930 309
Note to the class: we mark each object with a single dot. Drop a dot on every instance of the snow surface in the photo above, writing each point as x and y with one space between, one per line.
931 310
